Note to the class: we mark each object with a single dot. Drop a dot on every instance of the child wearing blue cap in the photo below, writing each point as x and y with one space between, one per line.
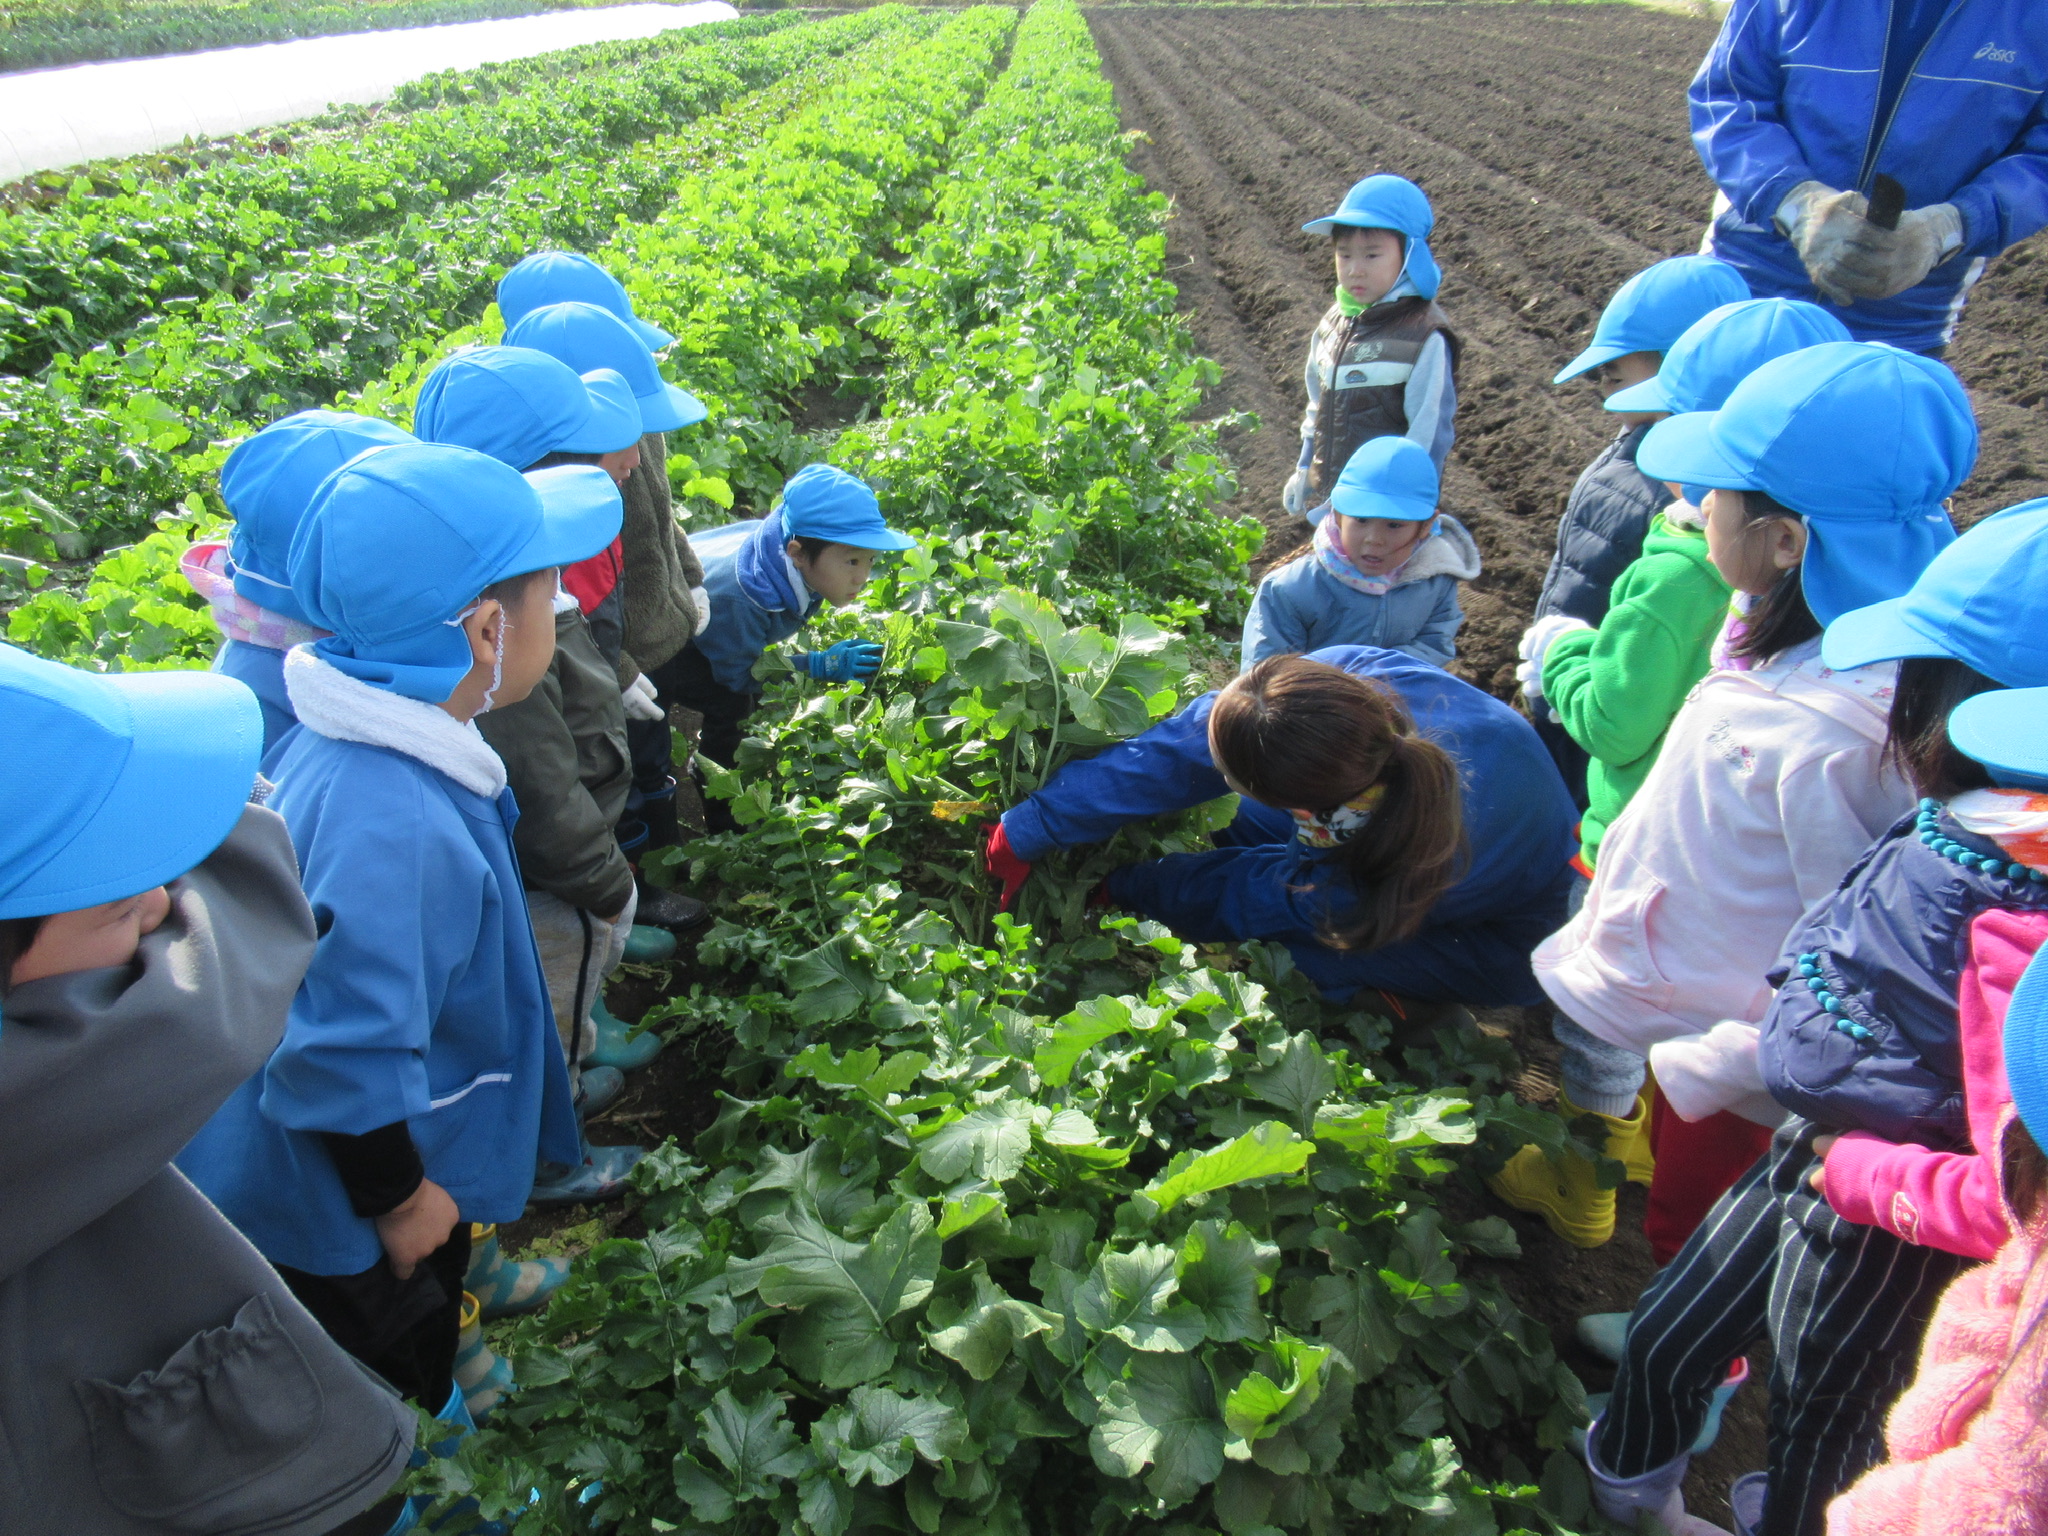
1383 361
419 1078
1614 690
1382 569
267 483
1828 470
1879 1049
564 746
152 931
766 578
1608 512
660 580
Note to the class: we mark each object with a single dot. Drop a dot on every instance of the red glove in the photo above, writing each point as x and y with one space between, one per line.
1001 863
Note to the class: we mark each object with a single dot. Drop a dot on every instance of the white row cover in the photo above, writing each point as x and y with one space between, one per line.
53 118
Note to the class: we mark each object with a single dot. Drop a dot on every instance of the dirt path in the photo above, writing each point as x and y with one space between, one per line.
1553 143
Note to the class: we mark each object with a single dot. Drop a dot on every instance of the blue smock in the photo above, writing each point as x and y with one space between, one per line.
1262 883
1795 90
755 602
263 670
425 1003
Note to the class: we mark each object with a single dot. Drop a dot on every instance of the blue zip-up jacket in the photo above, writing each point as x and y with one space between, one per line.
1264 884
1791 92
1301 607
1864 1033
755 600
425 1002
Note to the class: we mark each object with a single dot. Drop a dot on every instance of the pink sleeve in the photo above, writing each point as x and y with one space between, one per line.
1950 1200
1946 1200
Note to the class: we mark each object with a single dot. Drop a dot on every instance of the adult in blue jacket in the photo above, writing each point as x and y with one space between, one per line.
1400 830
1801 104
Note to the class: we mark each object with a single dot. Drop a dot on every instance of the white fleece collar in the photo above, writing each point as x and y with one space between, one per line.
331 703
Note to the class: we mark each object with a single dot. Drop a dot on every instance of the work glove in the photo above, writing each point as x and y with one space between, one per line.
999 860
1293 491
1882 262
640 701
700 599
1535 645
845 662
1823 226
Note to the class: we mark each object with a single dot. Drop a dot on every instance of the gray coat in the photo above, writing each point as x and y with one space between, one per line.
155 1374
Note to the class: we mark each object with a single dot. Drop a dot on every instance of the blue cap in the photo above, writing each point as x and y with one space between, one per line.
1983 601
111 783
1864 441
1392 477
1724 347
1654 308
400 541
586 337
563 277
1396 203
822 501
2007 731
2026 1047
519 406
268 482
615 414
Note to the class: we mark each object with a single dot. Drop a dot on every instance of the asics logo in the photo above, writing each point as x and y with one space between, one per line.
1993 54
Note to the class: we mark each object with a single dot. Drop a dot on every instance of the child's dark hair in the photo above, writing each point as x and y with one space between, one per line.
557 459
1309 736
1916 738
1780 619
509 590
812 548
17 938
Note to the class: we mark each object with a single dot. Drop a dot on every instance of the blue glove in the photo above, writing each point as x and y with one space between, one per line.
845 662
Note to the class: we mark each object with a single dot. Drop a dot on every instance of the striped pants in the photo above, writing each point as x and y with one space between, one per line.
1843 1305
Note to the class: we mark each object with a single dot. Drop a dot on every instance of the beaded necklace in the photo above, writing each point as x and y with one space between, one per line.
1927 826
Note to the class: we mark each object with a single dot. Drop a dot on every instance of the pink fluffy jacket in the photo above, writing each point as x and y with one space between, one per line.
1969 1440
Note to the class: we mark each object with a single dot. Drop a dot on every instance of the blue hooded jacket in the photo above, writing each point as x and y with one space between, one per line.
425 1002
755 600
1265 884
1792 91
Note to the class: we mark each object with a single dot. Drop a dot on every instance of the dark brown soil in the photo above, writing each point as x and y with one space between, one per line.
1552 140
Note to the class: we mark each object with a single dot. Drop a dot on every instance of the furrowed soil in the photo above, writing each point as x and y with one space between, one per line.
1552 140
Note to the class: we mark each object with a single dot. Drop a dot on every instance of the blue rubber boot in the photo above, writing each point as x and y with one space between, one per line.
600 1176
1738 1373
617 1045
505 1287
1602 1333
648 945
1746 1502
597 1089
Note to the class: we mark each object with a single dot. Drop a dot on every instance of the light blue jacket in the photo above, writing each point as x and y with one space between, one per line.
756 600
1301 607
262 668
425 1003
1789 93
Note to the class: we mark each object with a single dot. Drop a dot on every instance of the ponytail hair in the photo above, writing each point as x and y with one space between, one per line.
1308 736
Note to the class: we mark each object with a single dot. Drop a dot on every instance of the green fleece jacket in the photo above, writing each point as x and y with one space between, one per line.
1616 688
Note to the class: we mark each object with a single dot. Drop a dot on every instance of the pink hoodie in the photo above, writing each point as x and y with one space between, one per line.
1950 1200
1969 1440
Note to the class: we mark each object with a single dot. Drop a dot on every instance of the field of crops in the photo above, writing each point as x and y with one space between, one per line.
41 34
1044 1222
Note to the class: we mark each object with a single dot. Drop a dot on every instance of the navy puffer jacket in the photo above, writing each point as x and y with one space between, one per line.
1601 532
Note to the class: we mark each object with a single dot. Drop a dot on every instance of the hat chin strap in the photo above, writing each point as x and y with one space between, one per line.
497 663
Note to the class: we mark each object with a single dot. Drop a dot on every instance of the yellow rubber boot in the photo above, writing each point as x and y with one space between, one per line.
1567 1195
1635 1153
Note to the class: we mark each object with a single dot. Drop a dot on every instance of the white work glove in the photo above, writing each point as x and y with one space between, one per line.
1823 226
1882 262
638 697
700 599
1292 492
1534 645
